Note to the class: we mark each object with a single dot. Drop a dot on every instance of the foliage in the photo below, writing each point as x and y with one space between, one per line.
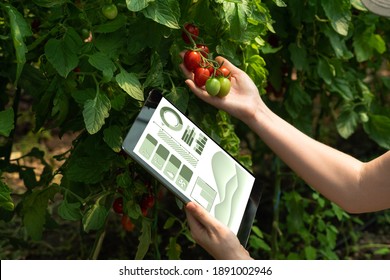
87 74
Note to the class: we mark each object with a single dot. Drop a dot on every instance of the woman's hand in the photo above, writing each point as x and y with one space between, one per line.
242 102
217 239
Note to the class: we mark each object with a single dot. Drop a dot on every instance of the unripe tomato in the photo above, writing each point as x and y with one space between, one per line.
191 29
192 60
127 223
225 86
201 75
213 86
110 11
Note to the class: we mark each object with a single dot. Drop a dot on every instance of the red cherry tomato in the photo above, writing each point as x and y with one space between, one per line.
203 49
118 205
223 71
192 60
201 75
127 223
147 201
192 30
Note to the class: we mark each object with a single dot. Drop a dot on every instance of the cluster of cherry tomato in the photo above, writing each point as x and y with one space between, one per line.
147 202
208 73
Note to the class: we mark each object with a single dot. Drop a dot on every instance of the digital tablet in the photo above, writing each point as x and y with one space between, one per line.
193 166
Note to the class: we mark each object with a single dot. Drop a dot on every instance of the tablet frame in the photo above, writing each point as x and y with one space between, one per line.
132 138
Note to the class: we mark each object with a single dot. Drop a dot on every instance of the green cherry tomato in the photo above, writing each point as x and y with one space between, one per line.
225 86
213 86
110 11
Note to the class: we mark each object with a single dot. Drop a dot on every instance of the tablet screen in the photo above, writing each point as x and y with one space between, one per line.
191 164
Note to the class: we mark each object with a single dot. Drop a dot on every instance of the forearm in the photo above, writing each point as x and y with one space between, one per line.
329 171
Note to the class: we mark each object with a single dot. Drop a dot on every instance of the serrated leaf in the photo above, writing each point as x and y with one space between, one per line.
130 84
325 70
95 112
145 239
70 211
87 169
19 30
94 218
6 201
180 97
378 129
165 12
365 43
137 5
236 15
339 14
113 138
155 76
34 210
6 122
347 122
60 57
102 62
174 249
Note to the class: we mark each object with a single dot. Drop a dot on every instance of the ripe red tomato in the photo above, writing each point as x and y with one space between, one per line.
127 223
192 60
191 29
223 71
110 11
118 205
213 86
203 49
201 75
147 201
225 86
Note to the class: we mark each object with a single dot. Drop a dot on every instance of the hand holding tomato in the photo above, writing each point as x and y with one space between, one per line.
243 100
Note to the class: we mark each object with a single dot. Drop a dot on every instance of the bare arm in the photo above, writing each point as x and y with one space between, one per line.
354 185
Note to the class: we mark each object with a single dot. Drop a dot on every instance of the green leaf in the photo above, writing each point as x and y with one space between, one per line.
342 87
113 138
7 121
347 121
94 218
378 129
62 53
310 253
174 249
165 12
19 30
130 84
112 25
145 239
326 71
256 69
95 112
155 76
236 15
70 211
88 170
297 99
365 43
179 96
34 209
169 223
339 14
102 62
338 44
49 3
298 56
6 201
137 5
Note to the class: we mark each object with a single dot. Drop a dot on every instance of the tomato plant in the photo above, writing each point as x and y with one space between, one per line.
127 223
118 205
69 71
